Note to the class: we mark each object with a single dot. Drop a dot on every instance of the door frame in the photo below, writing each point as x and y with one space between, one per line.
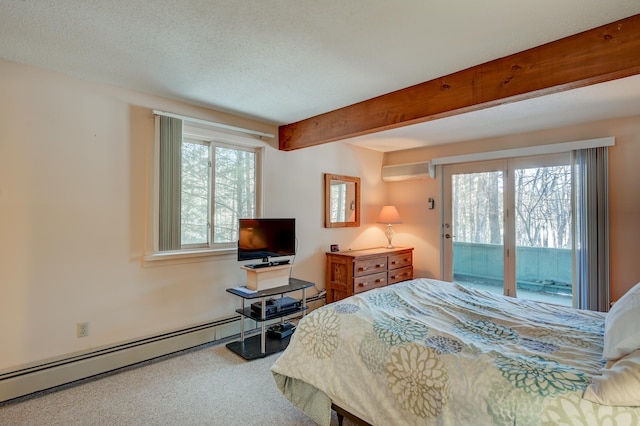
507 166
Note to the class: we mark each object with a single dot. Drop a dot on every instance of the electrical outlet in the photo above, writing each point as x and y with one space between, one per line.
82 329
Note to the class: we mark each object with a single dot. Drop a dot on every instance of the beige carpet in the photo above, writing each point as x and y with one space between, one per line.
206 386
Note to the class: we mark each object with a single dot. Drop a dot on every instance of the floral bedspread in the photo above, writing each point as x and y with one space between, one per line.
431 352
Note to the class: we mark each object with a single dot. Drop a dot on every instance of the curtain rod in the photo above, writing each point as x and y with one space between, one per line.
214 124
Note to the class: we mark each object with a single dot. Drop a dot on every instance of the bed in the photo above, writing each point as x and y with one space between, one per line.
432 352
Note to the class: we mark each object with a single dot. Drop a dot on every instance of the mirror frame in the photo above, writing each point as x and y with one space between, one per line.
327 199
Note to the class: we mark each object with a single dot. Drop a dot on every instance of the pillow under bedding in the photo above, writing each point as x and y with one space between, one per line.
619 383
621 330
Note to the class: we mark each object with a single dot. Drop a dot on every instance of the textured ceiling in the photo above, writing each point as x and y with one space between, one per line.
283 61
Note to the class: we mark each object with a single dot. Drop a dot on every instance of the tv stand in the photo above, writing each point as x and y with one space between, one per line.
262 344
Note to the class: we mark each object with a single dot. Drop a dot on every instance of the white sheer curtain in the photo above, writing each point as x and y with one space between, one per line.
591 254
170 183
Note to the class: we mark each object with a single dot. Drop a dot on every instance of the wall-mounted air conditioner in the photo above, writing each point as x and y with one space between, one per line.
397 172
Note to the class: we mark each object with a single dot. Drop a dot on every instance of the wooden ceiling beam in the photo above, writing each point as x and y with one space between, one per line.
605 53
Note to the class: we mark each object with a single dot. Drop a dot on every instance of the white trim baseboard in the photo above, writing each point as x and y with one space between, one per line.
44 375
24 381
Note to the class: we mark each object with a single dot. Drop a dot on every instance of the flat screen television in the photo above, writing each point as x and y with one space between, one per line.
266 238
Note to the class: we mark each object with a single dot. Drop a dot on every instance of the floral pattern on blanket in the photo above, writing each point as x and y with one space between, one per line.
417 378
431 352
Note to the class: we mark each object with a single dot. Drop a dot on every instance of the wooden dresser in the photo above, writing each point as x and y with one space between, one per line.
354 271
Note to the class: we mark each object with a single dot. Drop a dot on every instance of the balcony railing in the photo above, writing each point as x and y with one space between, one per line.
543 274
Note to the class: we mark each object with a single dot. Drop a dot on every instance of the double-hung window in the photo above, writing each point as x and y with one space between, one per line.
207 180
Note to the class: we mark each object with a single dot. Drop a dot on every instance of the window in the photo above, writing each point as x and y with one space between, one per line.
338 198
207 180
511 223
536 209
195 194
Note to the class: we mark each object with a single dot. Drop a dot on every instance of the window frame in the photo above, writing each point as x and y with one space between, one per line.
591 287
202 133
508 217
210 145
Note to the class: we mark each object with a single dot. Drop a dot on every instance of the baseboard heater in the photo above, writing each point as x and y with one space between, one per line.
47 375
32 379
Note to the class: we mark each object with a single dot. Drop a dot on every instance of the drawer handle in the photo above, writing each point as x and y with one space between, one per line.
404 274
364 268
379 280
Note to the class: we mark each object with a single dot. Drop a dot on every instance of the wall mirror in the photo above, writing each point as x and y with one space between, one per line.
341 201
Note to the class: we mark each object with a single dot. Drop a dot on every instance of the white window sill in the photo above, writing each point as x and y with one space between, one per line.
187 256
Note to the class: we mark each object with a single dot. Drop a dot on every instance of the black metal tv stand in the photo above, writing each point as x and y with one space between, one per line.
263 344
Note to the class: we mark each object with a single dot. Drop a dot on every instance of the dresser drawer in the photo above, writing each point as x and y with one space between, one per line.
402 274
368 282
355 271
400 260
364 267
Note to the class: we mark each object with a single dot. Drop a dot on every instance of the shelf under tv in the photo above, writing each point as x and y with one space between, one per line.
261 345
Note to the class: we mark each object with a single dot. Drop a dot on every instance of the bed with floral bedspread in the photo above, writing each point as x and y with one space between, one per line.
428 352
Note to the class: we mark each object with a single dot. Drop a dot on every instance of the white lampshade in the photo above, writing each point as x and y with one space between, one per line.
388 215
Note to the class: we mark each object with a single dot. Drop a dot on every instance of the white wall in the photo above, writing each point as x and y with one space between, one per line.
74 179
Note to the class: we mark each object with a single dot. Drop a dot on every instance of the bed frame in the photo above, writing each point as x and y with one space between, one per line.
342 413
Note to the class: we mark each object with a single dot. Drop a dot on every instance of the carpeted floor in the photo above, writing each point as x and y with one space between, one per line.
209 385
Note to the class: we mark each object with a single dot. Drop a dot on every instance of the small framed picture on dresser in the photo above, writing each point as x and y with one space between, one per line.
335 247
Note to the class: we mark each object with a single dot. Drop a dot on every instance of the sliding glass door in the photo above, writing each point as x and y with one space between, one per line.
474 225
507 227
543 228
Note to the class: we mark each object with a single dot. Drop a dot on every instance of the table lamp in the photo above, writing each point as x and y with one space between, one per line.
389 215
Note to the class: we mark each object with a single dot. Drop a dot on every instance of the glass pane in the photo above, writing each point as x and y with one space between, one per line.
543 234
478 230
195 193
338 199
234 192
